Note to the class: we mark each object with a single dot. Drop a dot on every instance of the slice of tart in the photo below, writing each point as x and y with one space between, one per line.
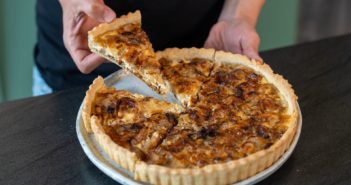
125 43
127 125
185 70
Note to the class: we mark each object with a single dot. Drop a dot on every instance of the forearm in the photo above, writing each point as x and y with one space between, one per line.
247 10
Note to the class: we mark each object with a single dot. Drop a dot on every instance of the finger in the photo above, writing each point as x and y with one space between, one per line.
81 55
98 11
87 61
251 52
210 44
250 48
213 38
235 47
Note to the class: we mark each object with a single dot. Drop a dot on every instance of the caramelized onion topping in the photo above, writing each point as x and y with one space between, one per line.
237 113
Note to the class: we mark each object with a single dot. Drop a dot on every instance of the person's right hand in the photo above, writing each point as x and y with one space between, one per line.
80 16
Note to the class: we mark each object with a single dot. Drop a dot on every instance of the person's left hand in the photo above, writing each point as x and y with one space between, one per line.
236 36
80 16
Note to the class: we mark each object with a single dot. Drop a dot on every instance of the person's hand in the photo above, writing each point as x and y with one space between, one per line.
80 16
236 36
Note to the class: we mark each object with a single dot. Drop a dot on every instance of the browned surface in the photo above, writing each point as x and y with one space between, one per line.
237 114
186 76
131 43
125 121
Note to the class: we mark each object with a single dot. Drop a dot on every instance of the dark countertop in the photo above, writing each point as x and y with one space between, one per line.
38 144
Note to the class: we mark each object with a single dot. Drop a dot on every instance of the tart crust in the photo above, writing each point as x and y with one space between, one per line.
186 53
117 23
122 156
223 173
97 84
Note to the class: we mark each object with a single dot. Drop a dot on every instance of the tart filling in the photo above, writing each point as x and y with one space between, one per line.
131 42
185 77
237 113
134 122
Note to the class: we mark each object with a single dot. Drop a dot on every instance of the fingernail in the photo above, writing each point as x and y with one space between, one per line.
257 59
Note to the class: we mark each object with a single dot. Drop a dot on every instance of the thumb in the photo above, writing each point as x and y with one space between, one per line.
208 44
211 42
98 11
109 14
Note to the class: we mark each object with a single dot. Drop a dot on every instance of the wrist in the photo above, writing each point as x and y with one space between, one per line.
239 19
241 10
